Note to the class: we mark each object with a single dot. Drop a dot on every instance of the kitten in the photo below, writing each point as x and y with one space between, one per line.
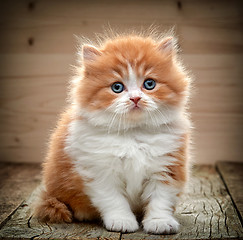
121 147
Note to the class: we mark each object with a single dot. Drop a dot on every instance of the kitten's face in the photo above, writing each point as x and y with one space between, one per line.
132 81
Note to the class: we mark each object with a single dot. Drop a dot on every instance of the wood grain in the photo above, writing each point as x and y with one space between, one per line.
17 183
37 47
204 26
30 104
204 212
23 226
232 174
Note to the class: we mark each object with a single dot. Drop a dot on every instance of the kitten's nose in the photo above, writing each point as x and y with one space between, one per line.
135 99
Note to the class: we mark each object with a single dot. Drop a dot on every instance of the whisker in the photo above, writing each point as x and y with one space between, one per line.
119 125
153 119
124 122
166 119
113 117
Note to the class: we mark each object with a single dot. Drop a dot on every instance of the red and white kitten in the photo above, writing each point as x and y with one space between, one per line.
122 144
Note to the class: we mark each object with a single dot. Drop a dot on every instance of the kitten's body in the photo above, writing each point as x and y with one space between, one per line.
117 154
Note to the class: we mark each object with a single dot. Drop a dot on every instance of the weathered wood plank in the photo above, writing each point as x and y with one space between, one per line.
17 183
204 212
22 226
34 93
37 45
205 26
232 174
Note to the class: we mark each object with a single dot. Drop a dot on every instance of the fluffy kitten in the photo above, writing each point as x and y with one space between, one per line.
121 147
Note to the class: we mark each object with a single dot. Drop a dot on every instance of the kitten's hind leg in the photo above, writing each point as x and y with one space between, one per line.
49 209
83 210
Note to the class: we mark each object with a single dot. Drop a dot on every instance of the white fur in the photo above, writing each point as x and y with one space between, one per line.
162 199
132 78
122 154
125 171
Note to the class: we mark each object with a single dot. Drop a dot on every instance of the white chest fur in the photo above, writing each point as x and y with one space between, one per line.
127 159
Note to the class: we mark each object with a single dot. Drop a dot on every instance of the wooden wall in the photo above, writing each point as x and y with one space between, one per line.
37 46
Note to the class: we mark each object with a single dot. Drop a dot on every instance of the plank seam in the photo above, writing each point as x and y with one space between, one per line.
2 224
228 191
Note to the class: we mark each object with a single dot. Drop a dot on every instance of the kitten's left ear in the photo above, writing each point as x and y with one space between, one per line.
90 53
168 46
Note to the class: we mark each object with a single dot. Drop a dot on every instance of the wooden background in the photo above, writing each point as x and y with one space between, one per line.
37 46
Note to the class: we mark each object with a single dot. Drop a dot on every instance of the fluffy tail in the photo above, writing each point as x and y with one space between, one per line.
48 209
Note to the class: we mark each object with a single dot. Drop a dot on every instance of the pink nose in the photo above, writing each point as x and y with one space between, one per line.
135 99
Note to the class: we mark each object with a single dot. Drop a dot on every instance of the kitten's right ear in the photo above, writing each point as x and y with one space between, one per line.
90 53
168 46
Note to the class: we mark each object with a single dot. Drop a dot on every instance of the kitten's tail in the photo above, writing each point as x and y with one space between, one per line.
49 209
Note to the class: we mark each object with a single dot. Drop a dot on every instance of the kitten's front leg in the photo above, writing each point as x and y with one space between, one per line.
161 200
113 206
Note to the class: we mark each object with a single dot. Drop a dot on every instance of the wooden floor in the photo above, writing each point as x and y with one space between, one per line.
212 207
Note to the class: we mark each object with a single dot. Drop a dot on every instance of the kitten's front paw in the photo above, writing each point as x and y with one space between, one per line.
121 224
161 225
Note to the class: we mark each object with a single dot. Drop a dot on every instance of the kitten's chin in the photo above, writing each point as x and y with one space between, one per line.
135 115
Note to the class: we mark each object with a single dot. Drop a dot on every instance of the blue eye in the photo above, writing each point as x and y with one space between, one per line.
149 84
117 87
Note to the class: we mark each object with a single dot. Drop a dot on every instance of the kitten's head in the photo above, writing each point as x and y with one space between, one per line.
131 81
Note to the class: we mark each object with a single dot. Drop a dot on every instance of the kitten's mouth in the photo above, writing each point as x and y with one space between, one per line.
136 110
135 107
135 113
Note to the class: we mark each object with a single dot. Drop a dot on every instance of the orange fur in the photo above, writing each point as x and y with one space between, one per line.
64 187
180 170
64 196
94 92
52 210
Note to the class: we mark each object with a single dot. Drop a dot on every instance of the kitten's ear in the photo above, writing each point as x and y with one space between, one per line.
168 46
90 53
